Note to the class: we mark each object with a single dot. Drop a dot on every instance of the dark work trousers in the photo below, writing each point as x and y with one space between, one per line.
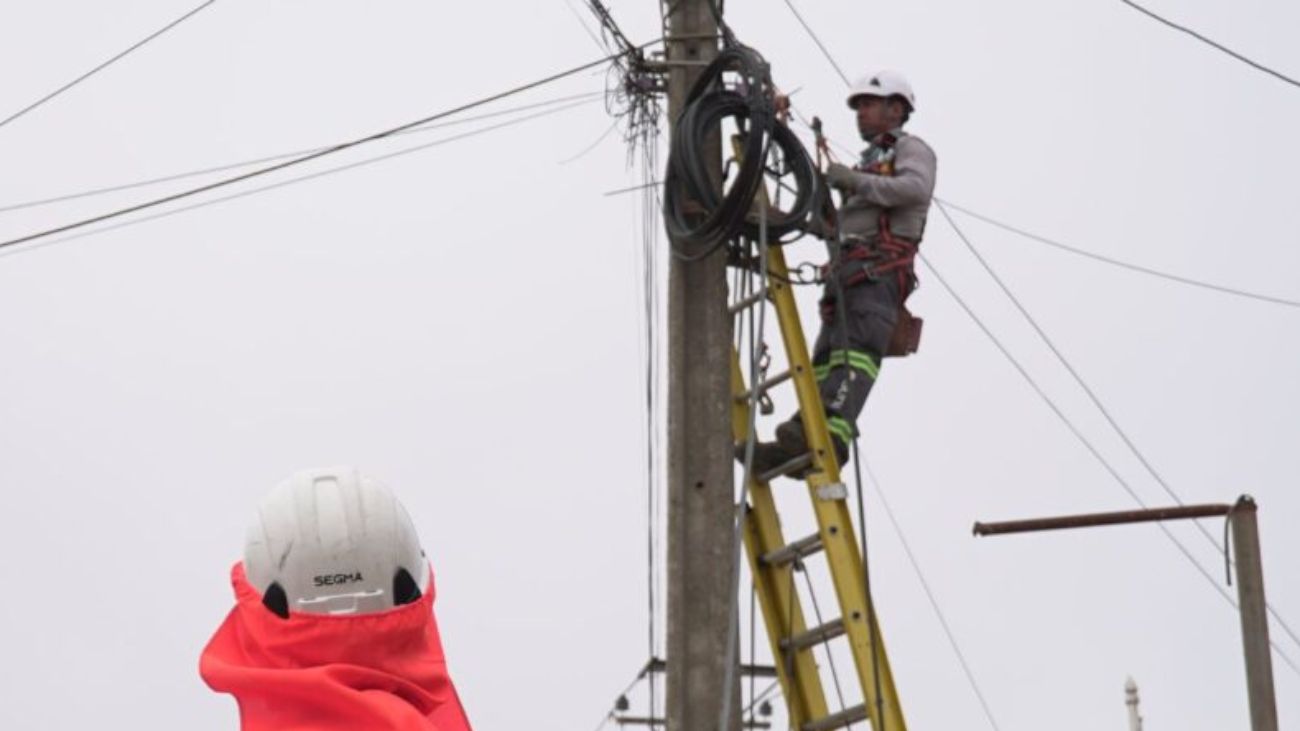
852 340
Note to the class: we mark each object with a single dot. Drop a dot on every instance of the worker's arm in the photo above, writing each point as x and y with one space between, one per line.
911 184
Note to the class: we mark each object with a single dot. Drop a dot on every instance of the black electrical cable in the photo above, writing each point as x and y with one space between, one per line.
649 229
291 181
698 217
818 41
1087 444
280 156
610 714
607 22
105 64
728 36
593 145
1119 262
305 158
1215 44
696 234
1092 395
929 593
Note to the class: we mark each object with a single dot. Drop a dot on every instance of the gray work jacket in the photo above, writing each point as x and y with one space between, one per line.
905 195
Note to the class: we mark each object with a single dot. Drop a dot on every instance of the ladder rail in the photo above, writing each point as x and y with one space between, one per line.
782 611
833 516
781 608
762 535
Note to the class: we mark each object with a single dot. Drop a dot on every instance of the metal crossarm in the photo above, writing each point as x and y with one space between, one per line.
773 560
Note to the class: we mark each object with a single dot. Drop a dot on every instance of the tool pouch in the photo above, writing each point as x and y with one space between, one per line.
906 338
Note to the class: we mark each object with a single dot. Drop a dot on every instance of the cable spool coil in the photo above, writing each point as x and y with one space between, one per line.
698 216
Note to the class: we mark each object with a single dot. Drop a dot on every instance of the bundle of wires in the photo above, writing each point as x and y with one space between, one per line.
699 216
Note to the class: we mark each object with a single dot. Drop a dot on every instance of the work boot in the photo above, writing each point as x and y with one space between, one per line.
767 456
790 435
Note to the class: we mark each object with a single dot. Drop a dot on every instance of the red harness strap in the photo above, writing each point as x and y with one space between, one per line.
887 254
868 260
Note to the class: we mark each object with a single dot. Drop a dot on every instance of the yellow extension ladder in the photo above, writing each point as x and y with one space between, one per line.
773 559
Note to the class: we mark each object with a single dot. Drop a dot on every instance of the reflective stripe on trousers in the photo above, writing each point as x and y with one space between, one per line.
857 359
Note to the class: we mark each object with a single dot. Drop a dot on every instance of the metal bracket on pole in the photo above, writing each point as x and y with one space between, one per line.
1250 582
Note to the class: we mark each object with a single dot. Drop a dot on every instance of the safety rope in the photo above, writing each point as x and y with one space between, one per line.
757 314
872 628
650 285
817 615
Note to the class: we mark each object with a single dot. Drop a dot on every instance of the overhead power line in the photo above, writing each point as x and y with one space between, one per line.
583 23
117 188
1092 449
1117 262
299 179
610 713
593 145
819 43
1249 62
105 64
607 22
934 602
312 156
1093 397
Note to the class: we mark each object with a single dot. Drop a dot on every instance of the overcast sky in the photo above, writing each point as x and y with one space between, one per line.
466 324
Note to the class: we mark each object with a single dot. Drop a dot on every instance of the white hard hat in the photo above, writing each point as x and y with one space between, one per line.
329 541
884 84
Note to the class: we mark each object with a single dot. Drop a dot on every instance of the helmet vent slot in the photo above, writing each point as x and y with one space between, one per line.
405 590
276 600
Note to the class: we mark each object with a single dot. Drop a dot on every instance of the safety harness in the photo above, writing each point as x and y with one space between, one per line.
869 258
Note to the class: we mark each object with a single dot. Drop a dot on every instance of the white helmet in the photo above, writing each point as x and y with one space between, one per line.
329 541
884 84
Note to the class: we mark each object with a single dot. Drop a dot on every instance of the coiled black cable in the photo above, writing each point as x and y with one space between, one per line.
700 218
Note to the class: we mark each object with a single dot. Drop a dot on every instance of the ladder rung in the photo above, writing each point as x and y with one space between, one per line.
766 386
640 721
746 303
646 721
814 636
795 551
794 465
838 720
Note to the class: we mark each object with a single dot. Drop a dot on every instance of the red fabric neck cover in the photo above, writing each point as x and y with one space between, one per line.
318 672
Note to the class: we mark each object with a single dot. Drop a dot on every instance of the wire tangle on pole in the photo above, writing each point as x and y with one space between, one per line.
632 88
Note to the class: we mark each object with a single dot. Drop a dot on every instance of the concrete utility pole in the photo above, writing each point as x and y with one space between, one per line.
1254 616
1250 583
700 481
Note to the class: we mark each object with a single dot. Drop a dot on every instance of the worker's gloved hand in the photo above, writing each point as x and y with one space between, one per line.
842 176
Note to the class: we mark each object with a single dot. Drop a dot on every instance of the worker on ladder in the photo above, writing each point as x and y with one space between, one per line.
886 197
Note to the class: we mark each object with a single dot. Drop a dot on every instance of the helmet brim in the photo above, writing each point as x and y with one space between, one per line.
853 98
